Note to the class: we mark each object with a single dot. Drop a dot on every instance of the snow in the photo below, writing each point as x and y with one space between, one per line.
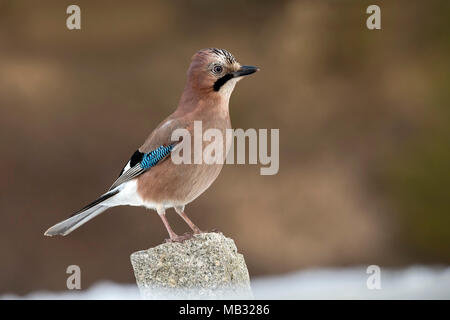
415 282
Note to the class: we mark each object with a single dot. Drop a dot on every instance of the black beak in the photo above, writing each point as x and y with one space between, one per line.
245 71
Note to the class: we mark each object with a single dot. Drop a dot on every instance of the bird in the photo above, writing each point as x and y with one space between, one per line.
150 178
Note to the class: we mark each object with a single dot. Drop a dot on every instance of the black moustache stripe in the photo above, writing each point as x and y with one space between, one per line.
221 81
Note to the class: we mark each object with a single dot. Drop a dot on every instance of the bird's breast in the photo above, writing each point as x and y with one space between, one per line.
171 183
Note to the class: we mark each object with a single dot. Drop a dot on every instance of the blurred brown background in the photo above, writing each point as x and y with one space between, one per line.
363 118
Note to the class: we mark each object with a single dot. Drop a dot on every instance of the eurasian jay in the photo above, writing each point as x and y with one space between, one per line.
150 178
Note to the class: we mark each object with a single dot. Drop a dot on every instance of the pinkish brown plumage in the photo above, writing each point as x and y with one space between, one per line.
211 78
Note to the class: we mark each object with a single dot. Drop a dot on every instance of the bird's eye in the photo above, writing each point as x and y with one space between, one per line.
217 69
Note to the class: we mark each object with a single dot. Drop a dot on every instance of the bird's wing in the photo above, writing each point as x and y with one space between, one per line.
156 149
147 160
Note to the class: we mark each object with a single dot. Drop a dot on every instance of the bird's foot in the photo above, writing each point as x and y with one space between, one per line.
182 238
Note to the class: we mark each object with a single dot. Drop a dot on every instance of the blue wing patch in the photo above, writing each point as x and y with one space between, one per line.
152 158
143 162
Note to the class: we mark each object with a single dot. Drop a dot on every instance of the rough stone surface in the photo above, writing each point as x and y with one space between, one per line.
206 266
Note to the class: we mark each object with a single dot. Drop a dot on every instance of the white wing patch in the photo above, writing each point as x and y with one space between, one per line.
127 166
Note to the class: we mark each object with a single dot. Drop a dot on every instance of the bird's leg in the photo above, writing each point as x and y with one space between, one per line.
180 211
173 236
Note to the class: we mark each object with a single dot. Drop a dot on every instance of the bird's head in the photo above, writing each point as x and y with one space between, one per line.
216 71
